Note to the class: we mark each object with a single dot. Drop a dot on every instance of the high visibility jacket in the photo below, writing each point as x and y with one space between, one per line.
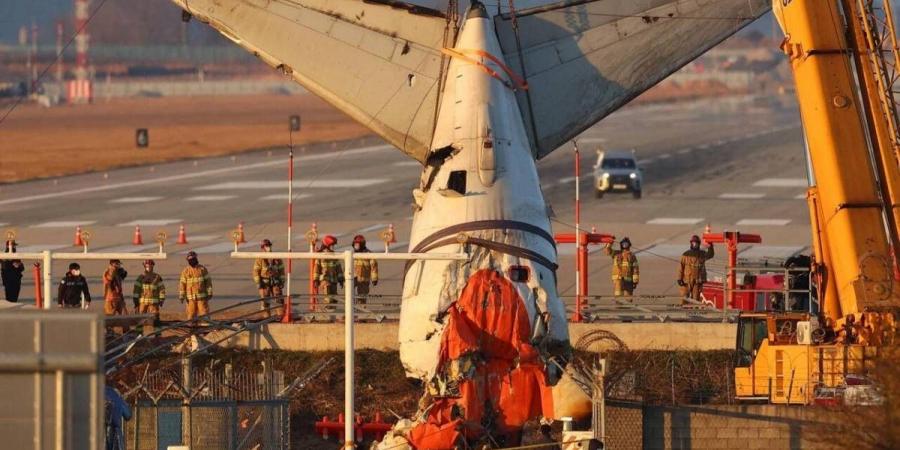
625 265
692 268
149 288
195 284
329 270
112 283
268 272
365 270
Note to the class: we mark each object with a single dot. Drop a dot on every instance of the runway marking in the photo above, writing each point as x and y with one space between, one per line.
134 199
128 248
664 250
763 222
591 140
64 224
664 156
740 196
565 180
301 184
40 247
150 222
222 247
675 221
645 161
685 150
407 164
210 198
782 182
3 224
202 237
771 251
284 197
800 196
187 176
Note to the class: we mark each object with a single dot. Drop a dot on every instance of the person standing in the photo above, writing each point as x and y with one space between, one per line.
195 287
113 296
72 288
329 273
625 269
692 269
149 291
117 411
365 271
268 274
11 273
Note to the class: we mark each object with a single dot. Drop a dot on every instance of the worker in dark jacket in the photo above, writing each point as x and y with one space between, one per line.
72 287
11 273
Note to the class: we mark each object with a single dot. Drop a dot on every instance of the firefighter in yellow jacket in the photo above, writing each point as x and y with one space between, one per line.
329 273
149 291
195 287
692 269
365 271
268 274
625 270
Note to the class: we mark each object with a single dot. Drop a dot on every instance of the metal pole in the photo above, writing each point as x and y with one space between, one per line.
578 305
348 350
45 256
290 224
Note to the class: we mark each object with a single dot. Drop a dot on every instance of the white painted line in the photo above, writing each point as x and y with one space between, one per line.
771 251
644 162
763 222
40 247
223 247
740 196
565 180
703 146
210 198
800 196
782 182
202 237
150 222
675 221
134 199
685 150
284 197
3 224
302 184
64 224
664 250
187 176
665 156
407 164
129 248
591 140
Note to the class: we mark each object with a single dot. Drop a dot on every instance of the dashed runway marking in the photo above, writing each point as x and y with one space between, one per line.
740 196
301 184
664 156
685 150
222 247
64 224
645 161
771 251
782 182
210 198
763 222
407 164
284 197
37 248
675 221
134 199
150 222
800 196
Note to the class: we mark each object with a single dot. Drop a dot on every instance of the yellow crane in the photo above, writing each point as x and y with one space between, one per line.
844 57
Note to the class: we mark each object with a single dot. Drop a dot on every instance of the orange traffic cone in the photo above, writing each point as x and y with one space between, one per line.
78 241
137 236
240 239
182 236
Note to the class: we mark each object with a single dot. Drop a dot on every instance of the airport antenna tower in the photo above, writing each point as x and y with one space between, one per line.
80 90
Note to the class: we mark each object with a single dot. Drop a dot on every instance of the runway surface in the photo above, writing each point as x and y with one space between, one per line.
734 163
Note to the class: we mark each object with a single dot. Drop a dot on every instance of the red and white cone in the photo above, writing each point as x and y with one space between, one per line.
137 236
79 242
182 236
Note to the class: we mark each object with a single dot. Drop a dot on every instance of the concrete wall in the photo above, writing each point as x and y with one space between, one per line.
383 336
635 427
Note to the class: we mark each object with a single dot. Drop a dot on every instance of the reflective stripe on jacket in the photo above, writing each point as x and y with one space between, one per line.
268 272
195 283
693 264
149 288
365 269
625 265
329 270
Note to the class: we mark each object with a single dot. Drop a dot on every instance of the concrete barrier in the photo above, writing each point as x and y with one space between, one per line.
383 336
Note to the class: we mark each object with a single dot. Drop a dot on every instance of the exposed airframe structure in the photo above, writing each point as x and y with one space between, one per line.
477 99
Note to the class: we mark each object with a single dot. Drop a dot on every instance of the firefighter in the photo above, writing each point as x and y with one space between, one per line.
11 273
195 287
113 296
72 288
365 271
149 291
692 270
268 274
329 273
625 269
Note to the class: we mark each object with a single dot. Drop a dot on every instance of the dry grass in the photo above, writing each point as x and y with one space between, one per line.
38 142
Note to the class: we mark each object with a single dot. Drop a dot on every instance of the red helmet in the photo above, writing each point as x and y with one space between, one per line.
359 239
149 262
695 238
329 240
265 243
